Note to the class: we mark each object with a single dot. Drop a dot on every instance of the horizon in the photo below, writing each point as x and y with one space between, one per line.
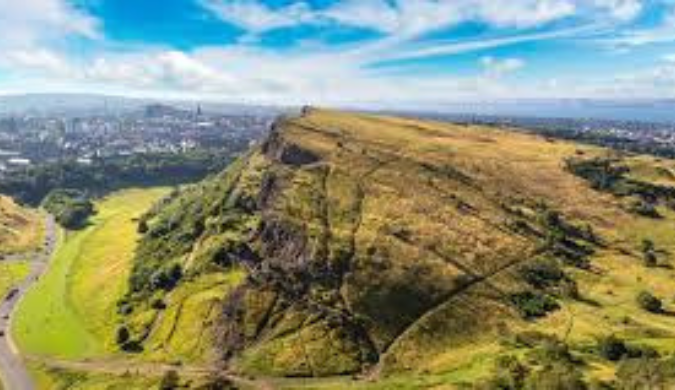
403 53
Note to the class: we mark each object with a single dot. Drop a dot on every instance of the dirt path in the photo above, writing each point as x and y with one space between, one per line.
13 371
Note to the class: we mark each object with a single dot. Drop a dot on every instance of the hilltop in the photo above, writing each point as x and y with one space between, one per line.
372 245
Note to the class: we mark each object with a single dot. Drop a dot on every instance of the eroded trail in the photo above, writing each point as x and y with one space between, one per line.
13 371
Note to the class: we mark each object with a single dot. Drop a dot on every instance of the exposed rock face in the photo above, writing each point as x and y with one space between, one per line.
278 149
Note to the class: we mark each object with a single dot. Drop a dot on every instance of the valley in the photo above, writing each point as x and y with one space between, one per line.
369 252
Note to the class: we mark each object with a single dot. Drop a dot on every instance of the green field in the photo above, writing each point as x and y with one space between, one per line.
11 274
71 312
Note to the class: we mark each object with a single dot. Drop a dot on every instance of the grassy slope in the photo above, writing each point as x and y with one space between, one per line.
11 274
508 165
503 165
420 203
71 311
20 229
530 167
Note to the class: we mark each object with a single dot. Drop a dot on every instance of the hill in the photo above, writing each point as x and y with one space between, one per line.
355 244
20 229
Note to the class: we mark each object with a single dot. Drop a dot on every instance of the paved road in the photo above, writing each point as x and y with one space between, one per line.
13 371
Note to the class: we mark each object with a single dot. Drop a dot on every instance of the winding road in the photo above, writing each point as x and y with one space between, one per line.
13 371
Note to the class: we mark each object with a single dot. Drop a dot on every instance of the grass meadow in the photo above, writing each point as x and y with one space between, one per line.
71 312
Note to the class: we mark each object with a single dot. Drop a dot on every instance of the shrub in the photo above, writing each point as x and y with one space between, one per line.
217 383
649 253
647 301
123 335
559 376
508 373
612 348
645 209
143 227
170 380
644 373
541 274
158 304
166 278
534 305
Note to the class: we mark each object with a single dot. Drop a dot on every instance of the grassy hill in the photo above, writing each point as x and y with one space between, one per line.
395 248
20 228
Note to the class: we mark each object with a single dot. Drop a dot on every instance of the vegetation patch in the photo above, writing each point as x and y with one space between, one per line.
70 208
11 274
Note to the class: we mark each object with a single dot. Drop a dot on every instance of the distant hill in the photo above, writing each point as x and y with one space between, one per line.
92 104
375 245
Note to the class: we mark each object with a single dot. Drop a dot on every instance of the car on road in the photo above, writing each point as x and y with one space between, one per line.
2 333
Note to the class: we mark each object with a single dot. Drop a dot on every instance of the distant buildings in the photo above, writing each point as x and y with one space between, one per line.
30 139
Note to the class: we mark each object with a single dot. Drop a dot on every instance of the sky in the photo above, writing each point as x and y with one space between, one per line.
340 52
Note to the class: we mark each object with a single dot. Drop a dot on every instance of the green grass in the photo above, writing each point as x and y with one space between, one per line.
50 378
71 312
182 331
11 274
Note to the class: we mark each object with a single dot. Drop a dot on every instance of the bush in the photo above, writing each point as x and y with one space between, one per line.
645 209
143 227
70 208
166 278
612 348
559 376
123 335
158 304
170 380
508 373
217 383
647 301
649 253
534 305
541 274
645 373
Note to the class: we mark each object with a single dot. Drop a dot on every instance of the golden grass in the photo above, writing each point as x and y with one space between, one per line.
21 230
386 154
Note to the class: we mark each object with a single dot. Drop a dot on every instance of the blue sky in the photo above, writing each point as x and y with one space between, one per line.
370 52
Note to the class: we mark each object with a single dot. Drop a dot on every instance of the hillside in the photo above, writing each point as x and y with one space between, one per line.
20 229
354 244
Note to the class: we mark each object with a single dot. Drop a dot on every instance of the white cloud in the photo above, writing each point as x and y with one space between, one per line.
621 9
417 17
28 22
399 17
36 60
495 67
663 32
257 17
